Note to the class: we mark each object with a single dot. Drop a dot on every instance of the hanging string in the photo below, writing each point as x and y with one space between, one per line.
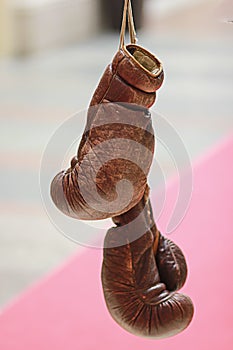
132 31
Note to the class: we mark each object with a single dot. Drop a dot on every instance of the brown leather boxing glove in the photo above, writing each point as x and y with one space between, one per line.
132 78
139 296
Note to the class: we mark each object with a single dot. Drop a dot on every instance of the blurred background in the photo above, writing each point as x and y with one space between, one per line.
52 54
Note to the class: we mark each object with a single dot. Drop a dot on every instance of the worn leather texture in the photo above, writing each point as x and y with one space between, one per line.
142 270
124 81
140 277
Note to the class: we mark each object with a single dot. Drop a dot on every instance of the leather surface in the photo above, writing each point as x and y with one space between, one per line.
125 80
142 270
140 277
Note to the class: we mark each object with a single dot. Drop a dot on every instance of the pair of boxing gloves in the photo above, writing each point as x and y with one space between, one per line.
142 270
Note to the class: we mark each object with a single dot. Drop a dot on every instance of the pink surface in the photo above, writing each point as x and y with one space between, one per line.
66 311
